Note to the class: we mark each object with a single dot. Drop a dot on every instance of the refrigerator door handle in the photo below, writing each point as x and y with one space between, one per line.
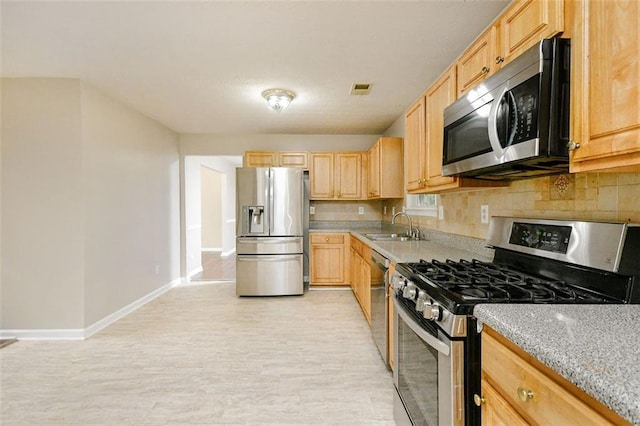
270 200
267 258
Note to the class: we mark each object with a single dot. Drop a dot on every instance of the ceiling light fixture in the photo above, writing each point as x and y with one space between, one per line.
278 99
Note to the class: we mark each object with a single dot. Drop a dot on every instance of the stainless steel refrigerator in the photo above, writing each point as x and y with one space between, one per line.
269 231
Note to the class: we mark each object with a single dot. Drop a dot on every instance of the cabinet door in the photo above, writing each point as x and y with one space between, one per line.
327 259
606 87
391 168
544 401
321 176
293 159
353 272
478 62
415 147
496 411
374 170
260 159
348 177
439 96
526 22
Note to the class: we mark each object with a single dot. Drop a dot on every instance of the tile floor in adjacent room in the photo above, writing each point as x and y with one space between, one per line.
201 355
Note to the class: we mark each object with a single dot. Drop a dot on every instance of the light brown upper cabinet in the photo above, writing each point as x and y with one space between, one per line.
478 61
605 85
260 159
275 159
335 176
440 95
293 159
519 27
415 147
385 169
526 22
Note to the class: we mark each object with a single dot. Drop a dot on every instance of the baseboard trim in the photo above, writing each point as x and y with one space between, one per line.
84 333
123 312
228 252
44 334
194 272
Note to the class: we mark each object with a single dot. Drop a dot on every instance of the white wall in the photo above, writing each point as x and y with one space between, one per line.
226 165
211 196
89 205
42 206
131 204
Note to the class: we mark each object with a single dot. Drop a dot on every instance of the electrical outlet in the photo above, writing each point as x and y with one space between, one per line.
484 213
157 269
312 209
393 211
384 210
440 212
360 210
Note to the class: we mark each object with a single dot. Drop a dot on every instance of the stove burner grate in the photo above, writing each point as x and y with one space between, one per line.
477 281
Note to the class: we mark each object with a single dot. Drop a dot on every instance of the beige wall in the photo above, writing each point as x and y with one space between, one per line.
131 204
211 144
89 205
42 211
211 196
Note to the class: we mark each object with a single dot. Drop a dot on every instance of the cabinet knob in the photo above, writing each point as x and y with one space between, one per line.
573 145
478 400
525 394
499 59
327 239
485 70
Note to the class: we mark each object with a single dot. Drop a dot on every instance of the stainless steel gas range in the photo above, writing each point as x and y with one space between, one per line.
437 345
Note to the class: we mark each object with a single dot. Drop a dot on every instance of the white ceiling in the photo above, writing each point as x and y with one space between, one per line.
199 67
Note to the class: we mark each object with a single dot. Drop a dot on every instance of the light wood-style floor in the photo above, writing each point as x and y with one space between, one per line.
200 355
216 267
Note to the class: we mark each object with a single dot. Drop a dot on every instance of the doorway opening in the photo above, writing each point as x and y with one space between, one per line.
210 217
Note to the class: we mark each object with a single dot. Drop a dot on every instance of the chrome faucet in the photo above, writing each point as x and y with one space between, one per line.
411 232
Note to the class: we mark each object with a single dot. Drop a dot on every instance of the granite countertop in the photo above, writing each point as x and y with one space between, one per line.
594 347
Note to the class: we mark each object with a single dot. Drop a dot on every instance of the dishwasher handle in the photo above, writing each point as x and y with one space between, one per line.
379 260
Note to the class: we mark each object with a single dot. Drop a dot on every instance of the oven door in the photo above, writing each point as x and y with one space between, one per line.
428 374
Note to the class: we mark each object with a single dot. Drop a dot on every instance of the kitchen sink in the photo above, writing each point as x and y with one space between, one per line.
388 237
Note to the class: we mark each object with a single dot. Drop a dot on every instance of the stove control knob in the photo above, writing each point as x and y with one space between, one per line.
421 303
433 313
409 292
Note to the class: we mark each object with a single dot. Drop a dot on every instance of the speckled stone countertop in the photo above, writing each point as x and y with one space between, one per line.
438 245
594 347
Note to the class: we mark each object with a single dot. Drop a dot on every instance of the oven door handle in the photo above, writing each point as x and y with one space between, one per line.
432 341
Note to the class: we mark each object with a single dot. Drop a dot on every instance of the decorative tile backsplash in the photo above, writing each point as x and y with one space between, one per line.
587 196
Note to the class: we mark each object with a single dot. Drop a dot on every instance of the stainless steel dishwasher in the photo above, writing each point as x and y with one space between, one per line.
379 300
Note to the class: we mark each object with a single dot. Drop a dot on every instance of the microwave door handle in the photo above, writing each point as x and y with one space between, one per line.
492 124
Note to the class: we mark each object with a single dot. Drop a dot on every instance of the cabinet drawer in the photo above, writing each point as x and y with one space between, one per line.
327 238
356 244
545 401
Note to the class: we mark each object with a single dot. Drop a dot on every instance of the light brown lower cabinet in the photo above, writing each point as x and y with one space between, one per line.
361 275
517 389
328 261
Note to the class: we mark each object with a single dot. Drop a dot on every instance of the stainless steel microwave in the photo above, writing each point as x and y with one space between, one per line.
515 124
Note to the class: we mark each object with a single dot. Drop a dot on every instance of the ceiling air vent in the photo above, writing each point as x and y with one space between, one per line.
360 89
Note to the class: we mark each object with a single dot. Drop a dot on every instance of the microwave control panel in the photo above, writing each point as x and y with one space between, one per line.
551 238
